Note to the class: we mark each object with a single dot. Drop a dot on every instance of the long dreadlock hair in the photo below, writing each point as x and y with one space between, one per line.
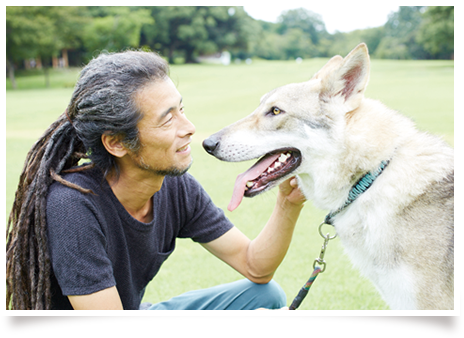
103 101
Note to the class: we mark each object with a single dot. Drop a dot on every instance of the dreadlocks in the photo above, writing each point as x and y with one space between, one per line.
102 102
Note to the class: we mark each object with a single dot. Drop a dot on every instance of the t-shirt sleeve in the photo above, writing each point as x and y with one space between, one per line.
204 221
77 243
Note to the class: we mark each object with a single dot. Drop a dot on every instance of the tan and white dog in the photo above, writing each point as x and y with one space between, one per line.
400 231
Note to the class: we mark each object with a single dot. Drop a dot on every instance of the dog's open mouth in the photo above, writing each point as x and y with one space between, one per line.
259 177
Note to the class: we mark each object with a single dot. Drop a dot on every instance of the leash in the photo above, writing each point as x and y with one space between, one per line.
360 187
317 270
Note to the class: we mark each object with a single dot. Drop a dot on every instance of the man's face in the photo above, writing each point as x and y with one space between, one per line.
164 131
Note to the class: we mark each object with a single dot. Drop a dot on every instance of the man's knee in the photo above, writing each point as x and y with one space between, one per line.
270 295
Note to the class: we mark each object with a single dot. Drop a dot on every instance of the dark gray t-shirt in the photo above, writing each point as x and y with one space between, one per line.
96 244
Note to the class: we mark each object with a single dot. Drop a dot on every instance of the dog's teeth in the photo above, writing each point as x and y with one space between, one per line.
269 170
289 154
249 184
282 158
277 164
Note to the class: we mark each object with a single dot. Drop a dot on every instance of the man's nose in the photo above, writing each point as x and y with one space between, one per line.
188 127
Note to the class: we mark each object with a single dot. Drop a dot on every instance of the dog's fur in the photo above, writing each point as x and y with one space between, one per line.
400 232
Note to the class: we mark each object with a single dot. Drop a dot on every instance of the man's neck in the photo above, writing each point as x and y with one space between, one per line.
135 193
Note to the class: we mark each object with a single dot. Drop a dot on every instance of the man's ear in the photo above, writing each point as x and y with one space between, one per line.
113 145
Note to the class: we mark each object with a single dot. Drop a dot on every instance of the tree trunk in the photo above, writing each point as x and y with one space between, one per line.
11 74
171 55
47 76
46 62
64 54
189 55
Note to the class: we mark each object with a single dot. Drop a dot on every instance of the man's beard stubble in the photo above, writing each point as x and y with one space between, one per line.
172 171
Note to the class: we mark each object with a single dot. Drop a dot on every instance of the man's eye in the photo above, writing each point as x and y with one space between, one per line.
168 121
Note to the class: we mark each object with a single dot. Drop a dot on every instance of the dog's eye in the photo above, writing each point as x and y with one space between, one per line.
276 111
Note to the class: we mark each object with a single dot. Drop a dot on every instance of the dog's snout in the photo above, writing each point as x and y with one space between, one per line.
210 145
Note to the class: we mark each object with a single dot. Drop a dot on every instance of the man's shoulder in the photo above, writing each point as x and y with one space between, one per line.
91 179
65 202
184 182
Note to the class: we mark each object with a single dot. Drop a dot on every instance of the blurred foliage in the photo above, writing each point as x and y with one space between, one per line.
115 28
183 33
436 32
196 30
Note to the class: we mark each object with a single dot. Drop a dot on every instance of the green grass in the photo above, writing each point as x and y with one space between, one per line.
35 79
214 97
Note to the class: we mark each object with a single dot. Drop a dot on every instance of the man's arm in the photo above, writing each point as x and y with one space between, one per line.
258 259
107 299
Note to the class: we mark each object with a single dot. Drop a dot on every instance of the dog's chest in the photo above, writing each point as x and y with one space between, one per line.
371 245
353 238
366 241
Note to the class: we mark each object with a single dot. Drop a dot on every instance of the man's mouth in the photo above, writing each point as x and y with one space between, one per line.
264 174
184 148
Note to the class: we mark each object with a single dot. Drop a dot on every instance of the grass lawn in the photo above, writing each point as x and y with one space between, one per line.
215 96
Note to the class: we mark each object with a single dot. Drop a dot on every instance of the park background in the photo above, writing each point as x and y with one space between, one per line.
412 71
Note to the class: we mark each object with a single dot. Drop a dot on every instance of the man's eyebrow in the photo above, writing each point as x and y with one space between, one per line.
163 115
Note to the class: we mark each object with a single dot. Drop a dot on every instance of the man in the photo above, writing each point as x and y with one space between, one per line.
111 224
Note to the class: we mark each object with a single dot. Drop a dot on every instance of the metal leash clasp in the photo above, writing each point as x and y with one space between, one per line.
320 260
317 270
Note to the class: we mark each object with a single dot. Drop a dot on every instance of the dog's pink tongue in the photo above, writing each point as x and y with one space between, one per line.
249 175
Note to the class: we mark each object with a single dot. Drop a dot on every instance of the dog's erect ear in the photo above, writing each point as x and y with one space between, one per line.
328 67
348 78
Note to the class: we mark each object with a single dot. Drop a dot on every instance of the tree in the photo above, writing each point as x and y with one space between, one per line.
307 21
30 34
40 32
195 30
70 22
20 38
232 28
115 28
391 48
298 44
175 26
436 33
266 42
400 35
342 43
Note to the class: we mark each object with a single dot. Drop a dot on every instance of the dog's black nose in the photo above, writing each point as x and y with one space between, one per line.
210 144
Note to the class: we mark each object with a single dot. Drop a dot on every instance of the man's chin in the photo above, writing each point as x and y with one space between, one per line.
174 171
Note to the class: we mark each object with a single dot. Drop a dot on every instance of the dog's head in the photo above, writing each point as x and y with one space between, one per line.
287 119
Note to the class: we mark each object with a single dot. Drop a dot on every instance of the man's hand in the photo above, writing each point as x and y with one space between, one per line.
290 190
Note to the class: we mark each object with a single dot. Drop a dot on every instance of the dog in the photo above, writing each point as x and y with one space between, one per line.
400 231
